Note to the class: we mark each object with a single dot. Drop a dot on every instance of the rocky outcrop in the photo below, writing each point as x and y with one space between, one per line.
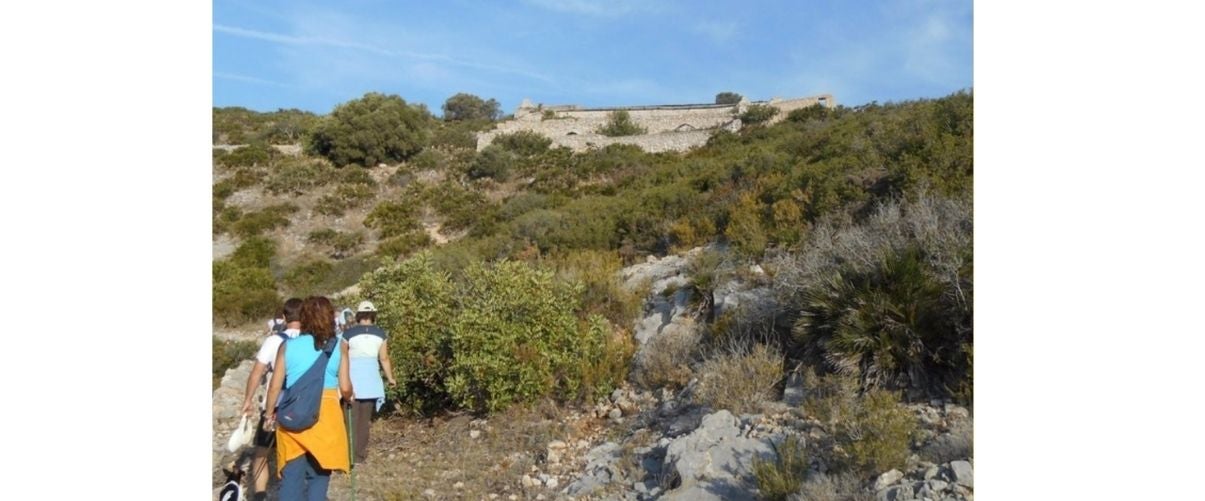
715 461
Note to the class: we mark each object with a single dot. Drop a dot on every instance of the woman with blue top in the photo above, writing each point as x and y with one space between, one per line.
305 459
369 353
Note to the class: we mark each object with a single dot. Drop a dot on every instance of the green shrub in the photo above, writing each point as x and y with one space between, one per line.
454 135
875 436
345 197
728 98
337 244
744 229
227 355
808 114
298 176
250 155
355 175
507 333
303 279
254 252
463 106
619 123
781 478
757 114
493 162
515 338
392 219
523 143
401 246
373 129
740 381
428 159
242 294
269 218
415 303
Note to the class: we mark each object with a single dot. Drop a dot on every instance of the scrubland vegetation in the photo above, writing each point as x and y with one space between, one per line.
861 217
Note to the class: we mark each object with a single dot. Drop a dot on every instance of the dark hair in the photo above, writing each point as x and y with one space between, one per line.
292 310
371 315
317 319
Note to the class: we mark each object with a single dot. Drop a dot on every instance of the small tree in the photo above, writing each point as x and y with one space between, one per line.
370 130
728 98
464 106
619 123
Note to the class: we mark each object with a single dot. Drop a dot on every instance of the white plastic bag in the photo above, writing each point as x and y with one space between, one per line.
241 436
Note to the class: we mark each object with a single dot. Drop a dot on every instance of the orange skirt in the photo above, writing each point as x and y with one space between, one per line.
326 440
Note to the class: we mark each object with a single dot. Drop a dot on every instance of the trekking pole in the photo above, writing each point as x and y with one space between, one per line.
351 447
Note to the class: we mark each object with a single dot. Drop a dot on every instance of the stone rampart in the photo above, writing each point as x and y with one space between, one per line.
669 127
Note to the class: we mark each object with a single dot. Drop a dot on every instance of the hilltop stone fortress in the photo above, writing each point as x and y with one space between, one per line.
671 127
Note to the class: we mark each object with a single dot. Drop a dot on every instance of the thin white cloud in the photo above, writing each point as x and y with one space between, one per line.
339 43
244 78
597 8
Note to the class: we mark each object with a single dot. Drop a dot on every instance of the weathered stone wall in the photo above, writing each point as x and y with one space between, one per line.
670 127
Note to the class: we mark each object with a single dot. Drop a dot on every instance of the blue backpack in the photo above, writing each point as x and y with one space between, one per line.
299 404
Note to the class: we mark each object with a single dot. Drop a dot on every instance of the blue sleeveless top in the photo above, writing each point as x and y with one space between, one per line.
300 355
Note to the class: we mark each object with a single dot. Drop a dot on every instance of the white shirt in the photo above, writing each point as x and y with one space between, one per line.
267 351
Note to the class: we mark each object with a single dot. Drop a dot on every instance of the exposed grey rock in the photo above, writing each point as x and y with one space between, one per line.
887 479
963 473
931 472
895 493
938 485
714 461
792 394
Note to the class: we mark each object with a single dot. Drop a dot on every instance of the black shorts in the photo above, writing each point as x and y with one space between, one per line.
263 438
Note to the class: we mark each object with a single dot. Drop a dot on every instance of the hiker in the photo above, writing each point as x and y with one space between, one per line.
369 354
305 459
265 358
278 324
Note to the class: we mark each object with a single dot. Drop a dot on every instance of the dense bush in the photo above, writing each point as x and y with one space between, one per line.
415 303
523 143
728 98
757 114
303 279
402 245
493 162
392 219
464 106
619 123
808 114
336 243
242 293
505 333
373 129
345 197
235 125
250 155
298 176
254 223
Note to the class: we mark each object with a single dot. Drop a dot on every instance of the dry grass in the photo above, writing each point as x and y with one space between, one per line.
665 360
407 457
740 381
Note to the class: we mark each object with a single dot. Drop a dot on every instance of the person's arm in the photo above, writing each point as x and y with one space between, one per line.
257 373
345 374
383 356
274 388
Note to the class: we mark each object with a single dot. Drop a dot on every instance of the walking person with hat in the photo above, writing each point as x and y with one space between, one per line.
368 353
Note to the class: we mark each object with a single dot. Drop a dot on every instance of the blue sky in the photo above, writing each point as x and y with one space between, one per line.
314 55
